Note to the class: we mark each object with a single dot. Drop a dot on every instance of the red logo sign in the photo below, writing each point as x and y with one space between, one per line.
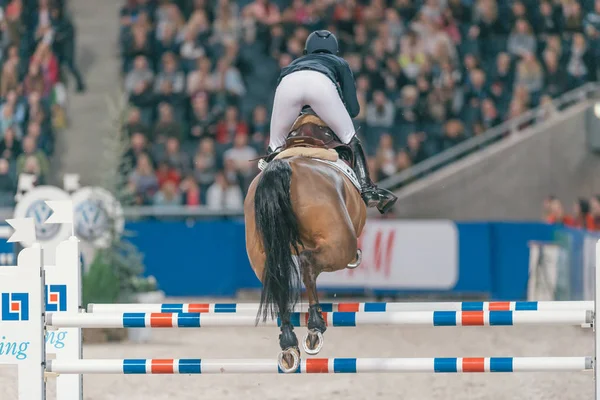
377 245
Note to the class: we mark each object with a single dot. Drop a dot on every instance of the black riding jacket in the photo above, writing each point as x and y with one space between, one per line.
336 69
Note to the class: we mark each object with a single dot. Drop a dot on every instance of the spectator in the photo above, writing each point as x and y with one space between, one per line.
170 79
64 44
190 192
224 194
454 133
489 114
44 142
7 119
10 145
530 74
134 123
7 182
409 113
9 79
200 80
140 78
205 165
166 173
176 157
386 157
143 183
557 213
521 40
226 26
14 25
227 79
138 147
591 22
547 19
168 44
168 195
555 77
403 161
34 81
380 113
581 215
49 66
260 123
573 18
137 44
580 66
242 155
31 166
18 106
203 119
230 126
30 150
415 149
594 202
166 126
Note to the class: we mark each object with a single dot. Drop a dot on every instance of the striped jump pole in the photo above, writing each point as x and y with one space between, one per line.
322 365
335 319
349 307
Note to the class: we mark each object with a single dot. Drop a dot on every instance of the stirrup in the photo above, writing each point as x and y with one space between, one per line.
370 196
387 200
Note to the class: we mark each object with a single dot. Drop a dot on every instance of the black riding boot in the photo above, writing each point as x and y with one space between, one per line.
371 194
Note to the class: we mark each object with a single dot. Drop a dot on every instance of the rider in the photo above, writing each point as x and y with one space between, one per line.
324 81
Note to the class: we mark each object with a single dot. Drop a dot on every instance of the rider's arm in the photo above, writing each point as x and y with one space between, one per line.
348 89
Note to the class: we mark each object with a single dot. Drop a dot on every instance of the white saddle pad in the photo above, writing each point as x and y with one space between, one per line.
340 165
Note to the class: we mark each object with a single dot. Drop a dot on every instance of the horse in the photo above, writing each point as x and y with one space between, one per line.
302 217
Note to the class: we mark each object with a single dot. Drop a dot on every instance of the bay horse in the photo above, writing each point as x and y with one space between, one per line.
303 217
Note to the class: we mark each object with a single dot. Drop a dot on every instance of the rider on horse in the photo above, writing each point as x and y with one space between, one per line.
323 80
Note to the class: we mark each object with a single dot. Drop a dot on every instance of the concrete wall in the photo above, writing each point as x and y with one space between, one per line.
510 179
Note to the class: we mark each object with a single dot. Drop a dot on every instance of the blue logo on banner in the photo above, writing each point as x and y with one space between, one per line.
91 221
15 307
40 212
56 298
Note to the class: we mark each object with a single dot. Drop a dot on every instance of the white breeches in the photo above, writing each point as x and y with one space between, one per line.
313 89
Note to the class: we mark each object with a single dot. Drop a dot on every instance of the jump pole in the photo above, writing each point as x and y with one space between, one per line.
323 365
334 319
252 308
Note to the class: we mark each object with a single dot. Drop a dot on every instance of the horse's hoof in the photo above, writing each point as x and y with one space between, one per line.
313 342
356 263
289 360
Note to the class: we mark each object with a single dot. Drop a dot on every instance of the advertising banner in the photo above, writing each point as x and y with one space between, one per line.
402 255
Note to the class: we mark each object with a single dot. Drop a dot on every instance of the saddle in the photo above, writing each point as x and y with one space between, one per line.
309 131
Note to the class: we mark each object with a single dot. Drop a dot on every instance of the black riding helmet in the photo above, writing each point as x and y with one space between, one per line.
321 42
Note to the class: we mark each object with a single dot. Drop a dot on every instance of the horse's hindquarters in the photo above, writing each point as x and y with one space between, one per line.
323 206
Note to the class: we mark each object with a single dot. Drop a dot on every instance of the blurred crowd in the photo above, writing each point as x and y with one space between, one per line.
585 213
36 39
201 74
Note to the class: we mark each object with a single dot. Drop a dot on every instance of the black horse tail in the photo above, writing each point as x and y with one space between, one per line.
277 227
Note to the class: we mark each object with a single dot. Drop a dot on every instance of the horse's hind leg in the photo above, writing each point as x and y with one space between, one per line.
332 253
289 358
313 340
